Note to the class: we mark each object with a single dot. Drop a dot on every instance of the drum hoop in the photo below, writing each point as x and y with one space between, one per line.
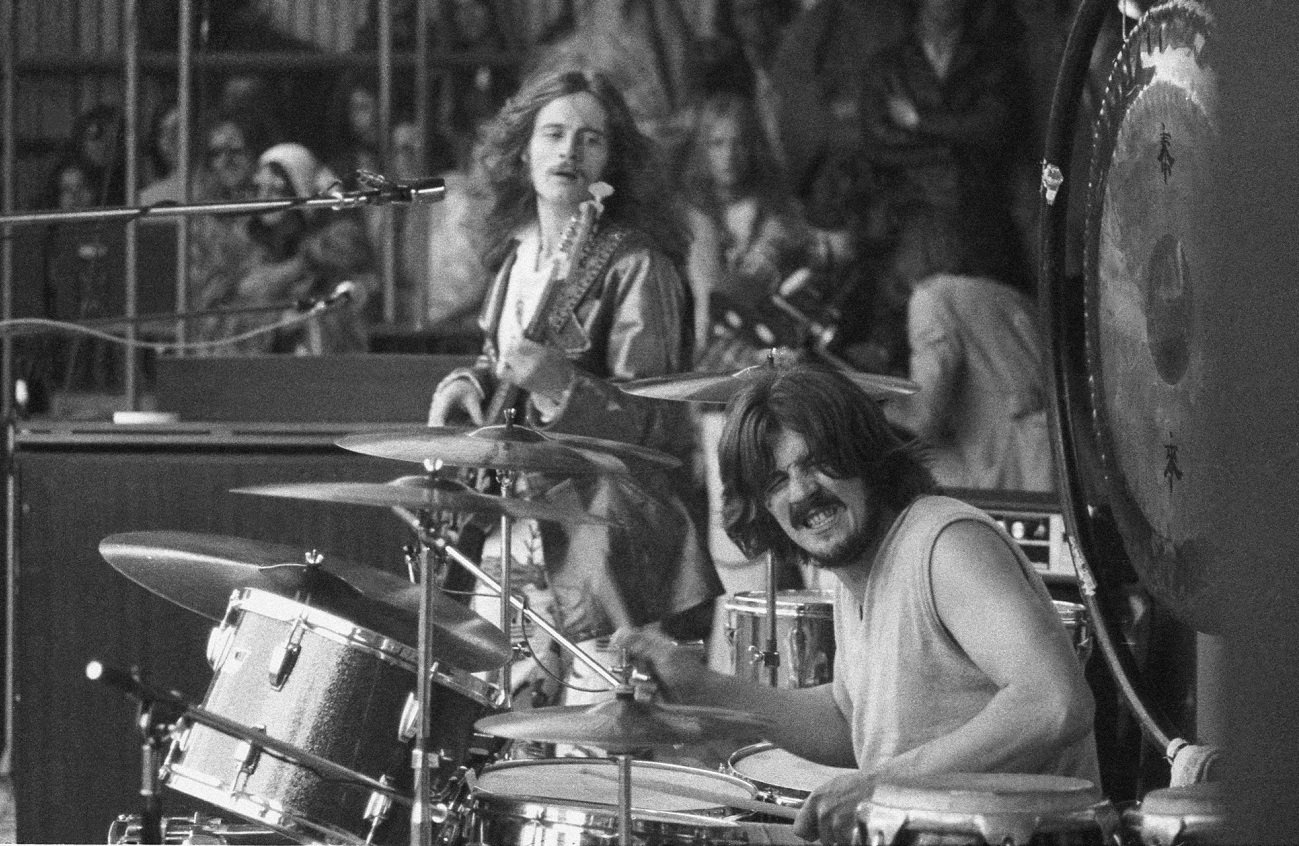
270 812
342 631
994 826
756 602
781 794
324 623
654 766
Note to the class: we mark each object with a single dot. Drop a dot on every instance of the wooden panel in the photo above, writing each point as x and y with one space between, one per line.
76 752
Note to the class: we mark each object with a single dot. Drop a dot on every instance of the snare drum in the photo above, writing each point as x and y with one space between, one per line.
779 776
987 809
1193 815
575 800
332 689
1074 618
804 636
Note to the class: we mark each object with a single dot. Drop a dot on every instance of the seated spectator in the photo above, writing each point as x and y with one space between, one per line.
162 154
96 140
976 353
749 234
296 255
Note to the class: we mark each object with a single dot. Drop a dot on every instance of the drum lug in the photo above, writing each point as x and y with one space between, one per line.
280 664
377 809
247 755
407 726
285 655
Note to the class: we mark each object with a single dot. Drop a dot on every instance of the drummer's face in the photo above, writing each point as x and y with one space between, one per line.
830 518
569 149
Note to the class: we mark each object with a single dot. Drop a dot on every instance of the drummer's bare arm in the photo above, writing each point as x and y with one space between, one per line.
805 721
1043 704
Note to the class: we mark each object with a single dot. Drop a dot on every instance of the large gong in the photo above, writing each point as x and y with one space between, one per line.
1146 374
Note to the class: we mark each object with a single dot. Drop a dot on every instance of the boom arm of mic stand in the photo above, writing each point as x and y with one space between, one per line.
445 548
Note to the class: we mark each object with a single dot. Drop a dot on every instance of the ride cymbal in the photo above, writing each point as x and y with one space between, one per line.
199 572
718 388
503 447
426 492
623 724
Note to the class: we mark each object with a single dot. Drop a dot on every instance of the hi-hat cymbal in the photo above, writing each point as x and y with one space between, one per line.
503 447
199 572
624 724
429 493
718 388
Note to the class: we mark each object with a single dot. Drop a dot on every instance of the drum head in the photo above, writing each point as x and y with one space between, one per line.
770 767
1146 468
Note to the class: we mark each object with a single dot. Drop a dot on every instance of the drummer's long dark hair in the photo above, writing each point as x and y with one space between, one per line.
502 186
840 423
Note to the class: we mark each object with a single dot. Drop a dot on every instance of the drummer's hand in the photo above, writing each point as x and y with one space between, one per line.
830 813
454 401
676 668
540 368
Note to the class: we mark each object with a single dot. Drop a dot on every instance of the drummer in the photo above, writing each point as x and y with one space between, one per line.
949 654
625 315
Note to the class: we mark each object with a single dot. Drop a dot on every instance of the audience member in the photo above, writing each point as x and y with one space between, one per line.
297 255
96 140
749 234
162 155
471 94
78 276
943 124
976 353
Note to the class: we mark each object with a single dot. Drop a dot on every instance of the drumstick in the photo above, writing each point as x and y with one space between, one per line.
712 797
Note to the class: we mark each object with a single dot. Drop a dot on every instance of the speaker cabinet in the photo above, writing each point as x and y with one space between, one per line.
76 750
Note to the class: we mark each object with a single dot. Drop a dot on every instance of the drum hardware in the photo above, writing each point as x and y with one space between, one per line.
806 619
196 828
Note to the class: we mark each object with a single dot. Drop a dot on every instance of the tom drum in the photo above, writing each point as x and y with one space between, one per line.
804 636
326 686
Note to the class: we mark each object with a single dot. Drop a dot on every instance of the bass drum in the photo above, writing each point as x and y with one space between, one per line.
330 688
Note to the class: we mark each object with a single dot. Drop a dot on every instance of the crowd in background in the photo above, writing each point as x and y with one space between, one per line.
833 161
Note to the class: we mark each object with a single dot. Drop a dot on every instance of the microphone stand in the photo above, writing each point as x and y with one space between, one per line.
335 202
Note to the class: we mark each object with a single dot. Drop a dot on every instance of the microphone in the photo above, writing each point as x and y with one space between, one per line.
341 293
380 190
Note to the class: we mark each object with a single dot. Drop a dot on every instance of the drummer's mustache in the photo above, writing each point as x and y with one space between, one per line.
819 498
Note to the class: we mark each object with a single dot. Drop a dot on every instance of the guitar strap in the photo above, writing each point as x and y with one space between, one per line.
556 318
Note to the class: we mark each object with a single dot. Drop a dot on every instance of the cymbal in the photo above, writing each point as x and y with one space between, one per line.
718 388
426 492
623 724
199 572
502 447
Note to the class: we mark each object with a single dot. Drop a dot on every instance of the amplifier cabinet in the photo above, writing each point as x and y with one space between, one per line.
75 749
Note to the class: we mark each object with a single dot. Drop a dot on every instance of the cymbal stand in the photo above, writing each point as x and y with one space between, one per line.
771 652
421 824
506 479
444 547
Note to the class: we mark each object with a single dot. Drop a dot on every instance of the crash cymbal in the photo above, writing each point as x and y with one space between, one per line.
623 724
718 388
504 447
199 572
429 493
